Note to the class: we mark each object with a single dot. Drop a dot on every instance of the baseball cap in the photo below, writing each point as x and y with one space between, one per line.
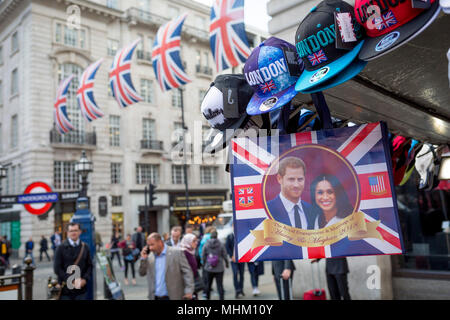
397 24
224 105
266 70
316 45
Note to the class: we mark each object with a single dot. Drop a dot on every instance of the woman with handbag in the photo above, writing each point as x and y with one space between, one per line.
189 244
130 254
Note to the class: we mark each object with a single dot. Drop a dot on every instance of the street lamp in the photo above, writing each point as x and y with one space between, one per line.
83 167
3 174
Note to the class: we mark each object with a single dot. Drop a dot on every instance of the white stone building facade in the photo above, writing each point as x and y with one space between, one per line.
129 147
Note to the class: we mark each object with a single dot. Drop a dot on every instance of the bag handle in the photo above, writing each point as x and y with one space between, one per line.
80 254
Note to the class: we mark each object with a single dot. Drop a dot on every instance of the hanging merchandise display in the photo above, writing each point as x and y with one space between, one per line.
328 41
393 24
267 70
85 93
411 160
401 146
357 216
120 77
224 107
166 55
60 116
227 37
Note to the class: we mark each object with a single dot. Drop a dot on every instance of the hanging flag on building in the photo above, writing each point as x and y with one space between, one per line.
227 37
312 195
85 93
120 77
60 116
166 58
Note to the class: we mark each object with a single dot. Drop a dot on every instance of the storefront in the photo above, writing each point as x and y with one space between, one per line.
10 227
203 208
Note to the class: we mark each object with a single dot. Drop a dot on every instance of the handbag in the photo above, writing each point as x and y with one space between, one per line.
199 284
58 297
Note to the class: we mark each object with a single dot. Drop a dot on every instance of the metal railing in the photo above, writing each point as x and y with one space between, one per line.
15 282
203 69
73 137
152 144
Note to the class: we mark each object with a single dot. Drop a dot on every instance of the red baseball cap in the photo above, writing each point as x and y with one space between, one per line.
397 23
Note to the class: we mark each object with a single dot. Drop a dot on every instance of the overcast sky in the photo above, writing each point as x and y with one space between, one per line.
255 12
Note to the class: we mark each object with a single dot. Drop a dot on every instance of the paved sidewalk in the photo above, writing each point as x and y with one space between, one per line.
44 269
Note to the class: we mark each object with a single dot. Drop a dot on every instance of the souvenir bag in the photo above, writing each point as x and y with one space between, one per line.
352 164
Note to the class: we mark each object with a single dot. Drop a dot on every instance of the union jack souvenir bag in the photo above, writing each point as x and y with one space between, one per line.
316 194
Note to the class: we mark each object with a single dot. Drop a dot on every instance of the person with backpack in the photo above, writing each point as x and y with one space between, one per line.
130 254
214 256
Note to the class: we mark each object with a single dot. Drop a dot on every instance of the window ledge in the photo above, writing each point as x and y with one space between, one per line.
15 95
13 53
421 274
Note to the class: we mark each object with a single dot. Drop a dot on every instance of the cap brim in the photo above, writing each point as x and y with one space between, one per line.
349 72
309 79
373 47
259 105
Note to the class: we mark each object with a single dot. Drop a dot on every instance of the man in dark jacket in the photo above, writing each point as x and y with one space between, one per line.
44 248
283 269
66 255
138 238
336 270
238 268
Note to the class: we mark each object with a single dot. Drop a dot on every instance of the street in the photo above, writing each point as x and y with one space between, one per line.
44 269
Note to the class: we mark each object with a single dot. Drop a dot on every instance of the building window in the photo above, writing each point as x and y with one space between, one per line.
113 46
1 139
150 42
70 36
116 173
200 22
422 215
15 42
144 5
73 111
14 131
147 90
148 129
116 201
201 96
1 55
178 174
112 4
64 175
147 173
114 131
208 175
14 82
176 98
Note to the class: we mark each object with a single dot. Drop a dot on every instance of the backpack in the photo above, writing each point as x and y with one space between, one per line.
212 260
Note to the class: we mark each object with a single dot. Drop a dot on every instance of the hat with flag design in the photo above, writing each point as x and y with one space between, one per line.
390 24
267 71
326 65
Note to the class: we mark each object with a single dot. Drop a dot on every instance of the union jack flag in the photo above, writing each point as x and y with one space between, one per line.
120 77
166 55
268 86
246 197
227 37
60 113
317 57
362 150
385 20
85 93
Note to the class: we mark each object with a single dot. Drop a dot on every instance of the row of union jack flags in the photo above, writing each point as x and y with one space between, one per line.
229 47
364 147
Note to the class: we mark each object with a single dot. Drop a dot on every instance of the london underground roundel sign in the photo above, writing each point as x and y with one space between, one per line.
38 198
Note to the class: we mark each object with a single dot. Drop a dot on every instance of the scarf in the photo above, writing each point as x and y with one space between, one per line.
186 243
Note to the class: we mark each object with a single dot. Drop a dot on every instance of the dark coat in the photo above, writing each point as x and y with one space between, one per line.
278 266
139 239
279 213
215 247
336 266
44 244
65 256
229 244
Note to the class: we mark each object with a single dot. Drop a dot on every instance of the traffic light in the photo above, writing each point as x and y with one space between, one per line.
151 194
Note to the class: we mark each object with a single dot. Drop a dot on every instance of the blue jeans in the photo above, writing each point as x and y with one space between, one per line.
253 274
238 276
31 255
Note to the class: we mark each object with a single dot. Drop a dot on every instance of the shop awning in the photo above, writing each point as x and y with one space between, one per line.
407 88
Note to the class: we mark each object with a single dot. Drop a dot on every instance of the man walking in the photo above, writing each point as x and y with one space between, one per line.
138 238
169 274
238 268
175 235
283 272
29 246
73 255
43 249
